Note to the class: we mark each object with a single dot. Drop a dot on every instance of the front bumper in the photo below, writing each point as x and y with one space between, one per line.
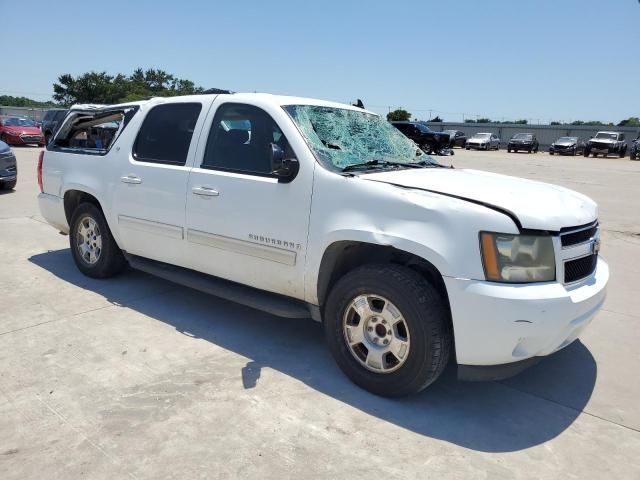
25 139
477 146
520 146
497 323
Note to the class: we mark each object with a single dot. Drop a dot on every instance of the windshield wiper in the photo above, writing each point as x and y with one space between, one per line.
385 163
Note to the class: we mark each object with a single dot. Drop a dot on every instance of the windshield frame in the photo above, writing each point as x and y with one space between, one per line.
420 159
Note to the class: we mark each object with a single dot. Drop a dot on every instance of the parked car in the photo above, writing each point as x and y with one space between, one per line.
606 143
8 167
20 131
425 138
523 141
483 141
406 263
51 120
456 138
634 151
567 146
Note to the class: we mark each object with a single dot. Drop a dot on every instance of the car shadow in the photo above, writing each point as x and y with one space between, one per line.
506 416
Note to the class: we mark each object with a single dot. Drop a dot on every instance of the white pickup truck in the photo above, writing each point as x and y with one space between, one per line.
307 208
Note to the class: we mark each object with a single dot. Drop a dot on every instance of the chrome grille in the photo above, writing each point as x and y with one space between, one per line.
577 235
575 270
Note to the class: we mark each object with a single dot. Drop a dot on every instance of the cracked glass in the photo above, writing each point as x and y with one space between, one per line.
341 137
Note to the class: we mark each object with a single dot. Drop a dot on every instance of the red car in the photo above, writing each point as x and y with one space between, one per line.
20 131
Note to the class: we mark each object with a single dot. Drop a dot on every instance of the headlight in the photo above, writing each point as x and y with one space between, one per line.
15 134
517 258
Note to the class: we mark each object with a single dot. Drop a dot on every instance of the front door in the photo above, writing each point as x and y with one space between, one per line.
241 224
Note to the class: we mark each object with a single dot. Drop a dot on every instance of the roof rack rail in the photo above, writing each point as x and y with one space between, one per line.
216 91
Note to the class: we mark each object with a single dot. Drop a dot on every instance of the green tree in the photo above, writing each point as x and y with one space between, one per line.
10 101
630 122
437 119
100 87
521 122
484 120
399 115
555 123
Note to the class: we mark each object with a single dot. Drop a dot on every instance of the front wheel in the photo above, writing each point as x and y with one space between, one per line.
623 152
94 250
632 155
388 329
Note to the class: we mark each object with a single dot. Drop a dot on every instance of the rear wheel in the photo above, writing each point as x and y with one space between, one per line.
632 155
94 250
388 329
623 152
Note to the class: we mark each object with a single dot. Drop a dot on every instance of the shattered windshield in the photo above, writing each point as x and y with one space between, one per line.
341 138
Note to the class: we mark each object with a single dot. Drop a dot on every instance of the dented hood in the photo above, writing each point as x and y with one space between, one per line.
535 205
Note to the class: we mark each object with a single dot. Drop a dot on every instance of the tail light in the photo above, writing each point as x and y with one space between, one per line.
40 158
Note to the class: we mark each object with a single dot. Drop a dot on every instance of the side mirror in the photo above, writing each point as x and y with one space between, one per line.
285 169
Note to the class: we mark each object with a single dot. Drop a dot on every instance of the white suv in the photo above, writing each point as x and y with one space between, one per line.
307 208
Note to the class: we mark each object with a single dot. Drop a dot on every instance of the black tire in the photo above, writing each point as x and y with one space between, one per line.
550 153
508 150
623 152
8 185
632 156
467 148
426 317
110 259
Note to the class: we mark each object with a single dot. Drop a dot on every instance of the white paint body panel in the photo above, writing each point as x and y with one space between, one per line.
273 236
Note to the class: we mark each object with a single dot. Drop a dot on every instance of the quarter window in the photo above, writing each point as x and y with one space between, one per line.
166 133
241 138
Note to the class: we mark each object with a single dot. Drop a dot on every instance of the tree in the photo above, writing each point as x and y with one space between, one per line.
483 120
630 122
100 87
469 120
399 115
437 119
521 122
555 123
11 101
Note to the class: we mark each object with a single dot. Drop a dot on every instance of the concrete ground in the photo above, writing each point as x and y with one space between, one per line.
135 376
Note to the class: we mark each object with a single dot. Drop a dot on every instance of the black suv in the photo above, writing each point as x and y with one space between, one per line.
606 143
523 141
634 151
427 139
51 121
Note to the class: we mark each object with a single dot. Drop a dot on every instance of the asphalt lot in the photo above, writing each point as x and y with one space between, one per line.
135 376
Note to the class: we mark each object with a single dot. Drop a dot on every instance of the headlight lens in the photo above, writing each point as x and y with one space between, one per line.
517 258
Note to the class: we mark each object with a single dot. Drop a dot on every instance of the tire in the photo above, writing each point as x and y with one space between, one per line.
623 152
550 153
467 148
632 156
424 323
102 258
8 185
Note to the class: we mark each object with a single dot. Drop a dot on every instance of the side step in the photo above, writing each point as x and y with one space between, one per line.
272 303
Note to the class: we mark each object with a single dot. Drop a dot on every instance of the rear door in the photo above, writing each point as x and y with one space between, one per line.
151 187
241 224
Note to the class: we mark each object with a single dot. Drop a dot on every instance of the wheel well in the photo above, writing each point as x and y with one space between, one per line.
342 257
73 198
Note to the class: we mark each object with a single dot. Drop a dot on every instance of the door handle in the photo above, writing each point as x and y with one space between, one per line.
205 191
131 179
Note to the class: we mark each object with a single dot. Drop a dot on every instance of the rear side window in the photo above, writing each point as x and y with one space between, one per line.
166 133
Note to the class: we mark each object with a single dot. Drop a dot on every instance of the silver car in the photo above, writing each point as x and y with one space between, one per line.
8 168
483 141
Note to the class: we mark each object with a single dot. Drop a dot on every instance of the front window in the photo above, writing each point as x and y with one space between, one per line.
340 137
18 122
481 136
607 136
522 136
567 139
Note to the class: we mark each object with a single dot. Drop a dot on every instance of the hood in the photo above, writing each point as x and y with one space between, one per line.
536 205
478 140
520 140
565 144
24 130
602 140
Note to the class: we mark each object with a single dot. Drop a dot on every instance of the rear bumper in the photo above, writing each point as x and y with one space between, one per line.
486 373
52 209
497 324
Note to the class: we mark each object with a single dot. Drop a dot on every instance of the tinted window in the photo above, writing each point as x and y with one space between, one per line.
166 133
240 140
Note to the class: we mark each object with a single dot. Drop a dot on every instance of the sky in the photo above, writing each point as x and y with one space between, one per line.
503 59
